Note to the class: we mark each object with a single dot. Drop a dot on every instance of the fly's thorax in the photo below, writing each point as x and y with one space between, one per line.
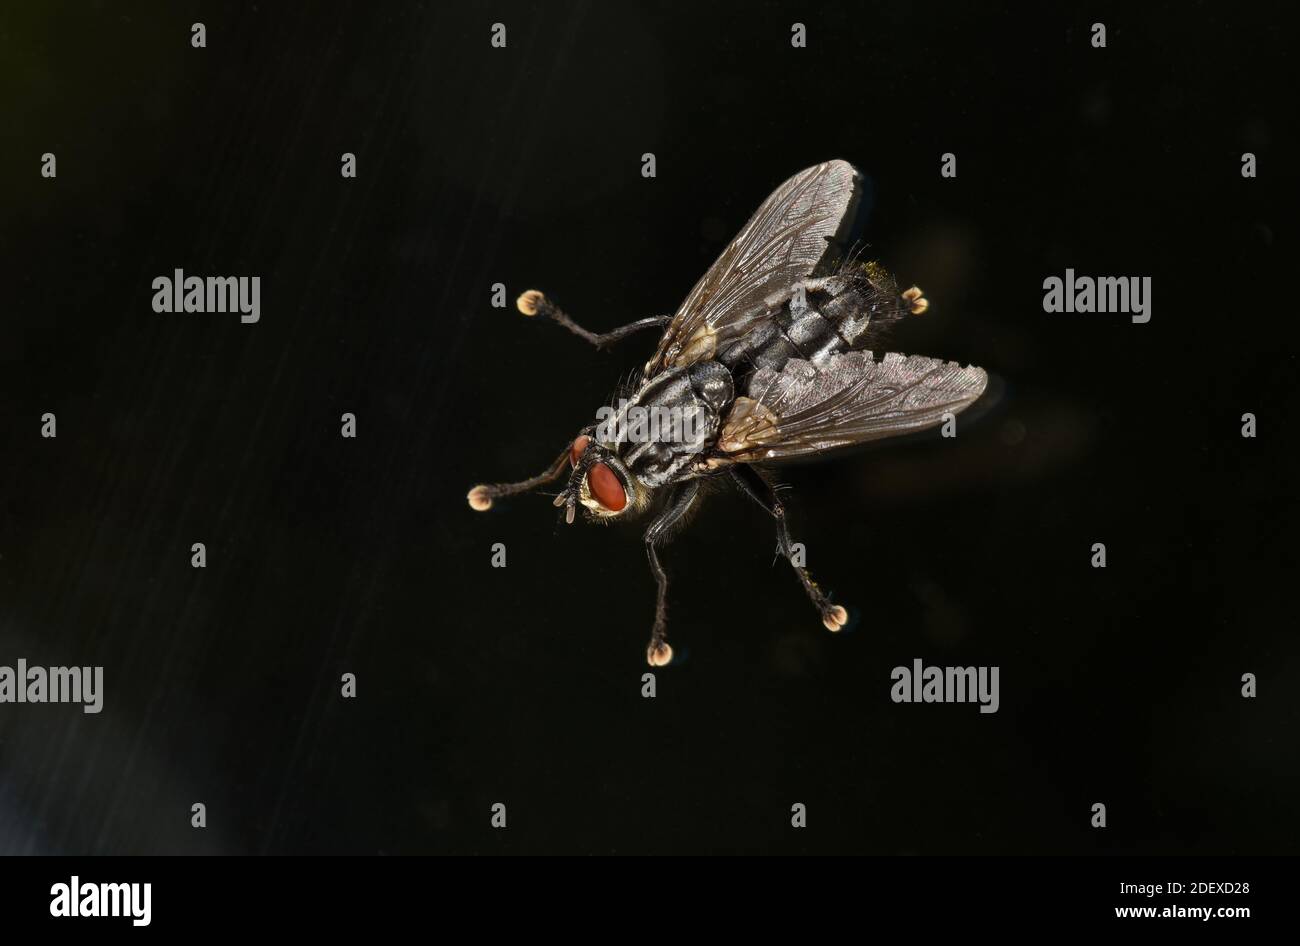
671 420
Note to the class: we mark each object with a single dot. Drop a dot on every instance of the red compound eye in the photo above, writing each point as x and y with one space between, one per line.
606 488
578 449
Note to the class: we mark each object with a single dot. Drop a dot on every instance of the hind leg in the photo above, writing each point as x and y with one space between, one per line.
834 616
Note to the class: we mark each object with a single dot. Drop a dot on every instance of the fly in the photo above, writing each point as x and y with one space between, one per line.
765 361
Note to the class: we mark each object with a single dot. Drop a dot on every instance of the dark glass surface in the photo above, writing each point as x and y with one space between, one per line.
523 685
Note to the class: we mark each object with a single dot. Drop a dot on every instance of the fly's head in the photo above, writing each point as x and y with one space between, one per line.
601 482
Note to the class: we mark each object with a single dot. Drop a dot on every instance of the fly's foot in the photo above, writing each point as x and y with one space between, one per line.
658 654
916 299
531 302
834 616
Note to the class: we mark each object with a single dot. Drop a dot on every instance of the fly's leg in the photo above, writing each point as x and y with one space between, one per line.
533 302
679 504
481 497
916 300
834 616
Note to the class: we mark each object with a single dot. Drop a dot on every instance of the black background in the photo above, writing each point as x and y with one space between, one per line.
522 685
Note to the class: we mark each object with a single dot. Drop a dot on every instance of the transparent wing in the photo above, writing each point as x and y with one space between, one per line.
851 399
782 243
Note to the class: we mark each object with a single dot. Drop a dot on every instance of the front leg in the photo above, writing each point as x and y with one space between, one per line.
481 497
760 490
533 302
680 503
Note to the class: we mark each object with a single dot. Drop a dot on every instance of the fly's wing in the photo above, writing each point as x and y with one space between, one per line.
850 399
781 244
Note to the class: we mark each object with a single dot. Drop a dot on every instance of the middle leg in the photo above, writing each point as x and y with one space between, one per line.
680 503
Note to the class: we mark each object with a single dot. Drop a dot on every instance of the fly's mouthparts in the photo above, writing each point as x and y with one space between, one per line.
566 499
